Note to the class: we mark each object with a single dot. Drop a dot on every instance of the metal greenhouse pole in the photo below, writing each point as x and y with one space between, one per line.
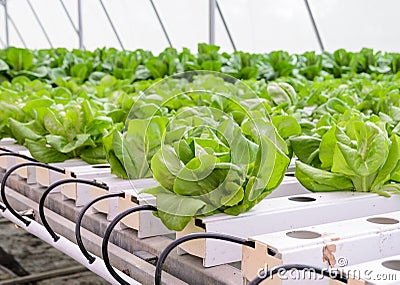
4 3
161 23
40 23
69 18
11 21
80 25
111 24
212 5
226 26
321 45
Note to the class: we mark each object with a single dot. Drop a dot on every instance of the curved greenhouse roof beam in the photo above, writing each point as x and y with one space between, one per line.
40 23
226 26
161 23
112 24
314 24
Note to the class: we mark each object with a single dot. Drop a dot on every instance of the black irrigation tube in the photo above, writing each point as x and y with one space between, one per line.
287 267
6 150
106 238
118 218
78 236
52 187
32 162
175 243
8 174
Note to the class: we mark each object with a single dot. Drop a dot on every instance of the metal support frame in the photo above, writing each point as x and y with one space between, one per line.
69 17
161 23
21 38
310 14
3 43
40 23
212 5
4 3
111 24
80 25
226 25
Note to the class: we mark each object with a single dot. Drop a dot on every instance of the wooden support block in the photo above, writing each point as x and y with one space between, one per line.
80 193
46 177
23 171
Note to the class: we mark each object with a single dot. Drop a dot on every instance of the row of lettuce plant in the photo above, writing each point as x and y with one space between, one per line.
218 151
81 66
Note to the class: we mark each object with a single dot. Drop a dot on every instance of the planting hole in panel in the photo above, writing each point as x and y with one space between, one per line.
302 199
392 264
101 166
383 221
303 234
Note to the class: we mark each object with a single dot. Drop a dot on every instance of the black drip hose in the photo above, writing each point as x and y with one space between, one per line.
52 187
288 267
78 236
8 174
7 152
194 236
111 226
164 254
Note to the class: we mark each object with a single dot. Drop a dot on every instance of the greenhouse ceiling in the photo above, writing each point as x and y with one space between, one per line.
253 25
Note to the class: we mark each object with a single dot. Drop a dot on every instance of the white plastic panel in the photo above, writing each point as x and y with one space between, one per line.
332 245
277 214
